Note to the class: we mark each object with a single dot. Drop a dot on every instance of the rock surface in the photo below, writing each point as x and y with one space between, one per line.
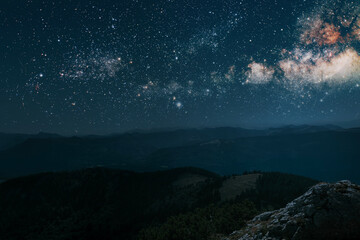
326 211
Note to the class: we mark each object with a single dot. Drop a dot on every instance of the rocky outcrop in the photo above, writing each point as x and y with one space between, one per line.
326 211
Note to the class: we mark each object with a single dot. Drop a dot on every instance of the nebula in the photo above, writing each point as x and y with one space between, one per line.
322 33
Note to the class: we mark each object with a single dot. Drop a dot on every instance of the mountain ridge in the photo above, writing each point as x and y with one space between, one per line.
325 148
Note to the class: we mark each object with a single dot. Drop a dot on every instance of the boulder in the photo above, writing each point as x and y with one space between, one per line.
326 211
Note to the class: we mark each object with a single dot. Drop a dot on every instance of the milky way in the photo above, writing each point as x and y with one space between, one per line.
104 67
324 53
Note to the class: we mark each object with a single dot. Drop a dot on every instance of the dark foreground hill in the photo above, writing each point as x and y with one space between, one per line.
323 152
113 204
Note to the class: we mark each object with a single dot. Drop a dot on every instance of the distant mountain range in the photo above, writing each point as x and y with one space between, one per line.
326 152
8 140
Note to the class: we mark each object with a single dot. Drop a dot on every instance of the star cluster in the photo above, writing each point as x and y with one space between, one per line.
110 66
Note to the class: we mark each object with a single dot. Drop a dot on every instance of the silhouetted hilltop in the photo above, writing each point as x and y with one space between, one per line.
301 129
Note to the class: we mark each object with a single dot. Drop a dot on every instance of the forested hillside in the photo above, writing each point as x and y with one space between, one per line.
113 204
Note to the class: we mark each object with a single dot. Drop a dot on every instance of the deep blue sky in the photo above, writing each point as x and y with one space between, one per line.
79 67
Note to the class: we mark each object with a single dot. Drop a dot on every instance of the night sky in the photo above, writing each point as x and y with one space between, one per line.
99 67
